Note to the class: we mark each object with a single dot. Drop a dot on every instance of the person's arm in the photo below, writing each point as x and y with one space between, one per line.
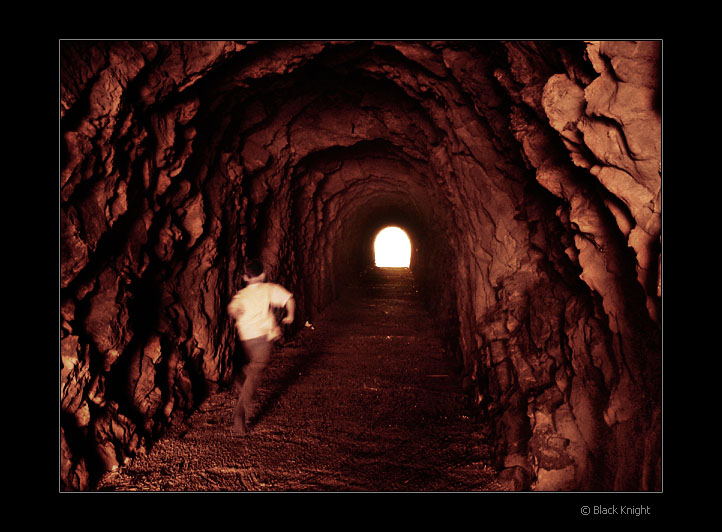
234 308
290 312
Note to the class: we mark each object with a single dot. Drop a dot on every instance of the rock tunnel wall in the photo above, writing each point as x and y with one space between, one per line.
528 175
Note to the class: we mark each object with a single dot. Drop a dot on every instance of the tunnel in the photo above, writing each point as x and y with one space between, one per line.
526 174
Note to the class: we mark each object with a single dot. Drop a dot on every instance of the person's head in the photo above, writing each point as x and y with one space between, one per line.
253 271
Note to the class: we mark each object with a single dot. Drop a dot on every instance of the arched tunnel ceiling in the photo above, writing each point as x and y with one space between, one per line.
528 174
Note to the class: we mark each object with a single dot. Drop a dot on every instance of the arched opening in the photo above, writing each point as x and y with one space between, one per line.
392 248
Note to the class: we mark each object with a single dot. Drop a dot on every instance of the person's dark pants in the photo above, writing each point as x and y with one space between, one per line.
258 351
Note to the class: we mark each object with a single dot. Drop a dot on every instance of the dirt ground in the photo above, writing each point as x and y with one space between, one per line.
361 401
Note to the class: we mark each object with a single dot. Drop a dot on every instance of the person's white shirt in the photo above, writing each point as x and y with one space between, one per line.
251 308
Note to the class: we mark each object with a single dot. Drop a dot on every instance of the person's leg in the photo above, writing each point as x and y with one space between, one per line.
239 419
259 353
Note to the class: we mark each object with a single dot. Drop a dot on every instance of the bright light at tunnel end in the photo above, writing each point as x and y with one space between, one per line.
392 248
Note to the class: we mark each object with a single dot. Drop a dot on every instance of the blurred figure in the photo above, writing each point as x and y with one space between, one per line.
252 309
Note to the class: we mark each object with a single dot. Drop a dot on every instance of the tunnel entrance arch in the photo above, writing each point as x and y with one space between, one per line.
392 248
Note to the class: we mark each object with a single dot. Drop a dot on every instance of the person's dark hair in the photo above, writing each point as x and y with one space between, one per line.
254 268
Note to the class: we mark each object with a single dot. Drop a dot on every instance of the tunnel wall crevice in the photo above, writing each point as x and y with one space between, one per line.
528 173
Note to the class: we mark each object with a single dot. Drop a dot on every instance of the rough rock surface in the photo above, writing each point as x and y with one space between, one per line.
528 175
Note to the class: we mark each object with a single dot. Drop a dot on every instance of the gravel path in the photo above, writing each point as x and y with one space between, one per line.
363 401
